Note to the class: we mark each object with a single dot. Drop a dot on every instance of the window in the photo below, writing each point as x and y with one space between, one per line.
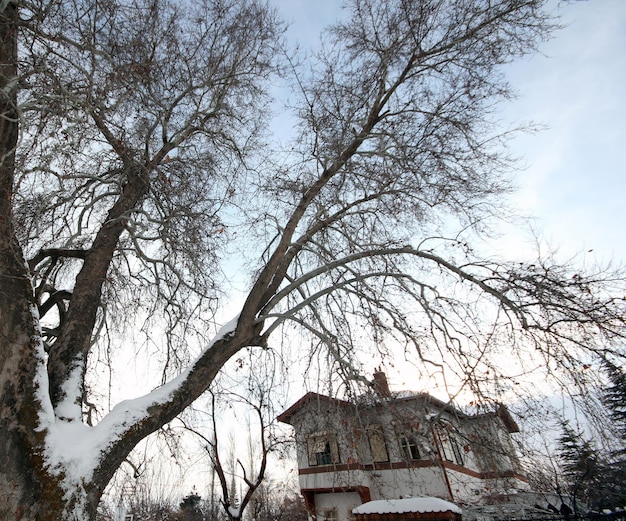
450 449
322 449
408 447
378 447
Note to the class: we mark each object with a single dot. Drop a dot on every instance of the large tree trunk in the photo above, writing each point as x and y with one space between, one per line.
17 482
26 491
19 487
31 486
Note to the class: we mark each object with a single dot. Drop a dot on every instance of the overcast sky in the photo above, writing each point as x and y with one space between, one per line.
574 181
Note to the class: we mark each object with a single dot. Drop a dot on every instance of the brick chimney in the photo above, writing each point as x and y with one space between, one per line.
380 384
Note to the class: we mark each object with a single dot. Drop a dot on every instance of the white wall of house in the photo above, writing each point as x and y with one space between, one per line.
399 483
337 505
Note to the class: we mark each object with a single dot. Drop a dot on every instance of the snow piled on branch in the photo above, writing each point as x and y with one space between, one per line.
74 450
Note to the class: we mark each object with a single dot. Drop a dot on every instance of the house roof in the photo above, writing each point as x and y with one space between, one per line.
418 505
403 396
384 396
285 417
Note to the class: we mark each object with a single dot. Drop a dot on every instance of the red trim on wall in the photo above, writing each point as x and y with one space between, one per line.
367 467
339 467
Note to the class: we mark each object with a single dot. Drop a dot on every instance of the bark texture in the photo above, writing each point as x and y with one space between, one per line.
23 484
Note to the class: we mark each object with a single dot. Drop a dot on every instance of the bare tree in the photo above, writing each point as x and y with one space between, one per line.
251 478
134 169
242 394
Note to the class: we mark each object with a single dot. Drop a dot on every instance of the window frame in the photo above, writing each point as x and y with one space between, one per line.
330 453
377 444
409 448
450 448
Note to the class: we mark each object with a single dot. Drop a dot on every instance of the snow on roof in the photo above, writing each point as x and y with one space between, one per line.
402 506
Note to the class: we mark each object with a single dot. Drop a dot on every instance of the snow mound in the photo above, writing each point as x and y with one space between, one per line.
419 505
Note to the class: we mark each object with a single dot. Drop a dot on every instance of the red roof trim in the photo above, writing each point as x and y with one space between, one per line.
286 416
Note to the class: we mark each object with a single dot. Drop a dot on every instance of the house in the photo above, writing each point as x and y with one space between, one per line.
390 446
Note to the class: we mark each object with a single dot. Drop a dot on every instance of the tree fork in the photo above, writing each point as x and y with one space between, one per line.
81 315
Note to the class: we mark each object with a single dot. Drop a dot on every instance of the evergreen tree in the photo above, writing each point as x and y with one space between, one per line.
191 508
615 400
580 463
233 497
594 478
